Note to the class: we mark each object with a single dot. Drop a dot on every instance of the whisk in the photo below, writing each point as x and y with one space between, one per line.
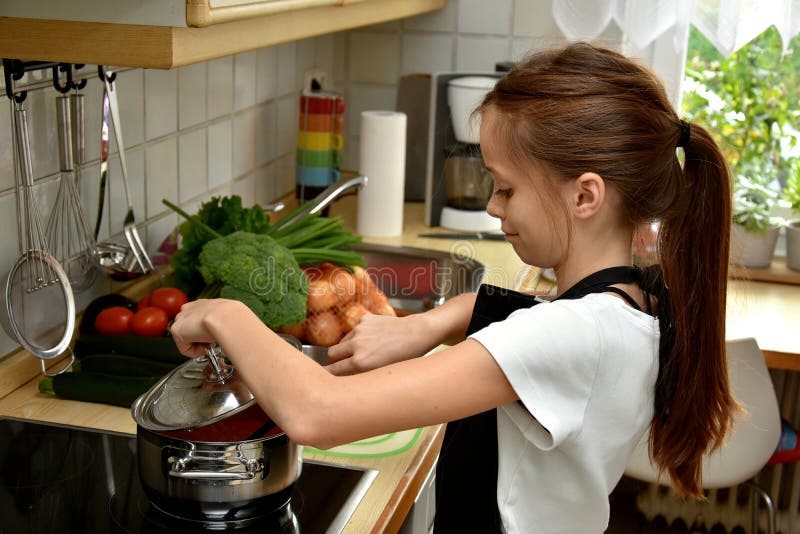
68 234
32 243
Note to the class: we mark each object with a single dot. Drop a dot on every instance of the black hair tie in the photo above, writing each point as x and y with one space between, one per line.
686 135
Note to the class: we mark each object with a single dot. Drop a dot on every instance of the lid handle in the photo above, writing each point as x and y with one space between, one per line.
222 373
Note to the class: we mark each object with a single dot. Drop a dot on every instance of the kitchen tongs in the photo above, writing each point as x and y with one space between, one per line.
129 225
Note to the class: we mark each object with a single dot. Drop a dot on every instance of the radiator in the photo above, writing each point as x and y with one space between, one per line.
732 507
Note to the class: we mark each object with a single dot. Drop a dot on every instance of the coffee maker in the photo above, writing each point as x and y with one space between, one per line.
457 186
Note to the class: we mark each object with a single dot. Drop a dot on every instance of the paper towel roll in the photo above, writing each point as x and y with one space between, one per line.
383 162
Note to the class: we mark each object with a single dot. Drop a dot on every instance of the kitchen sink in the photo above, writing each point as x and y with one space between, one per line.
417 279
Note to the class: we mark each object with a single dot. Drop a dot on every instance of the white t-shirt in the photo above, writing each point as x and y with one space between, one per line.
586 370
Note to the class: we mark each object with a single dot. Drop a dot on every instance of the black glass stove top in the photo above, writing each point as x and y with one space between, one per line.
58 479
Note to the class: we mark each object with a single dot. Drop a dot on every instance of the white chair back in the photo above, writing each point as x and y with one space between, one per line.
754 436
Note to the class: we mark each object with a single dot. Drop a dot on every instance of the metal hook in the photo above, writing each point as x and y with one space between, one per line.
63 67
102 75
81 84
12 71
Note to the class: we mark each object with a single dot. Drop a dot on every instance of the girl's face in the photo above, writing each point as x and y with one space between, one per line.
521 202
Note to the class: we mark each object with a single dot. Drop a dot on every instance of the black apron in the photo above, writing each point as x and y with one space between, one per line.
466 472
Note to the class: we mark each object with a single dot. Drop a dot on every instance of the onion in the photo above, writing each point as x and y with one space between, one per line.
352 315
384 309
363 282
321 296
297 330
323 329
344 286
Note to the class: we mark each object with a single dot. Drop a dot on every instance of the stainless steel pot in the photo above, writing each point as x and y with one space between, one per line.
217 480
206 449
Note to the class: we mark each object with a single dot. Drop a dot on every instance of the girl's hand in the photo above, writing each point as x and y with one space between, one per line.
376 341
190 327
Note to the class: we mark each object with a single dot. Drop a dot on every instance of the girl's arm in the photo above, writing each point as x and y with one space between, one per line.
317 408
379 340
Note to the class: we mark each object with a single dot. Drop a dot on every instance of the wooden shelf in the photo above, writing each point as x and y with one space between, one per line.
777 272
167 47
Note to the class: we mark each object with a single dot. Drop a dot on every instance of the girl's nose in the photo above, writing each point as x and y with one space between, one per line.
493 207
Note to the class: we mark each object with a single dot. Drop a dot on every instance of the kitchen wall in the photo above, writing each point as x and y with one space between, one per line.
228 126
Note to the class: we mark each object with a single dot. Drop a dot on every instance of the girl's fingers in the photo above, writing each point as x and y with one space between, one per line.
341 368
340 351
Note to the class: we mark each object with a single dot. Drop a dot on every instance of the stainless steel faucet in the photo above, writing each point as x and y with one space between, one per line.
330 194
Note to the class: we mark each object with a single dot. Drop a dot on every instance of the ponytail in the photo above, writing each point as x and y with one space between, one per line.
693 402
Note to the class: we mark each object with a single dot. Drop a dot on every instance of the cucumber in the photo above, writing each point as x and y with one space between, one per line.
122 365
96 387
160 349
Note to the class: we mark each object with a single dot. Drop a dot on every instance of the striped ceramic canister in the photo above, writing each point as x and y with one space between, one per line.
320 140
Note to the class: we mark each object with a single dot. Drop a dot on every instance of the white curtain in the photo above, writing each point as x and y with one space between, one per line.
728 24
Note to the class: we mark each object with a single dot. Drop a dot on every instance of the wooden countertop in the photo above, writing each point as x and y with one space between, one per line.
761 310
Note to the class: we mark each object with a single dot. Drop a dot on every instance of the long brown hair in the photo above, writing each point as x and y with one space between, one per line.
587 109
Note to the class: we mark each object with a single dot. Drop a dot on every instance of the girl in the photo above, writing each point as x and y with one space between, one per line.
545 400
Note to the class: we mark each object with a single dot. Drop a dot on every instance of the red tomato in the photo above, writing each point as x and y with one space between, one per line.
169 299
150 322
144 303
114 321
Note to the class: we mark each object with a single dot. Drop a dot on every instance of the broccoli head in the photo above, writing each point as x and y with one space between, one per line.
259 272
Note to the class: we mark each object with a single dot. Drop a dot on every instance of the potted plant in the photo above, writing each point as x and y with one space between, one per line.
749 102
755 230
791 193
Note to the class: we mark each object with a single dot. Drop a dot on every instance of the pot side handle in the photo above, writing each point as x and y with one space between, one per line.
181 469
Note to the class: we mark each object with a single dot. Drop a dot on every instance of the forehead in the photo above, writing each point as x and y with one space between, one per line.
497 151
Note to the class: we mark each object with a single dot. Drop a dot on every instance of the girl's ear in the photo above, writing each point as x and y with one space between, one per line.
588 195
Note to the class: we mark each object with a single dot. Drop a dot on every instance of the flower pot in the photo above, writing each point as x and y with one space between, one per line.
793 245
753 250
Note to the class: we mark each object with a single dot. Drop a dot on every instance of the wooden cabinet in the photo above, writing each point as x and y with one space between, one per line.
169 33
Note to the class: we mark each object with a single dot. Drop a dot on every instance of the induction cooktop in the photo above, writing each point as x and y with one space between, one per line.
58 479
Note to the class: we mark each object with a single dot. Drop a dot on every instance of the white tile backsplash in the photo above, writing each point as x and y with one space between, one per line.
305 59
192 91
287 124
443 20
264 184
479 54
244 144
118 203
192 161
220 154
160 102
245 188
427 53
266 133
284 174
480 16
130 98
534 18
287 69
266 74
161 169
220 87
244 80
374 57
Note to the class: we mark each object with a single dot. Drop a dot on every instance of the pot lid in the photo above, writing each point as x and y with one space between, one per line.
199 392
